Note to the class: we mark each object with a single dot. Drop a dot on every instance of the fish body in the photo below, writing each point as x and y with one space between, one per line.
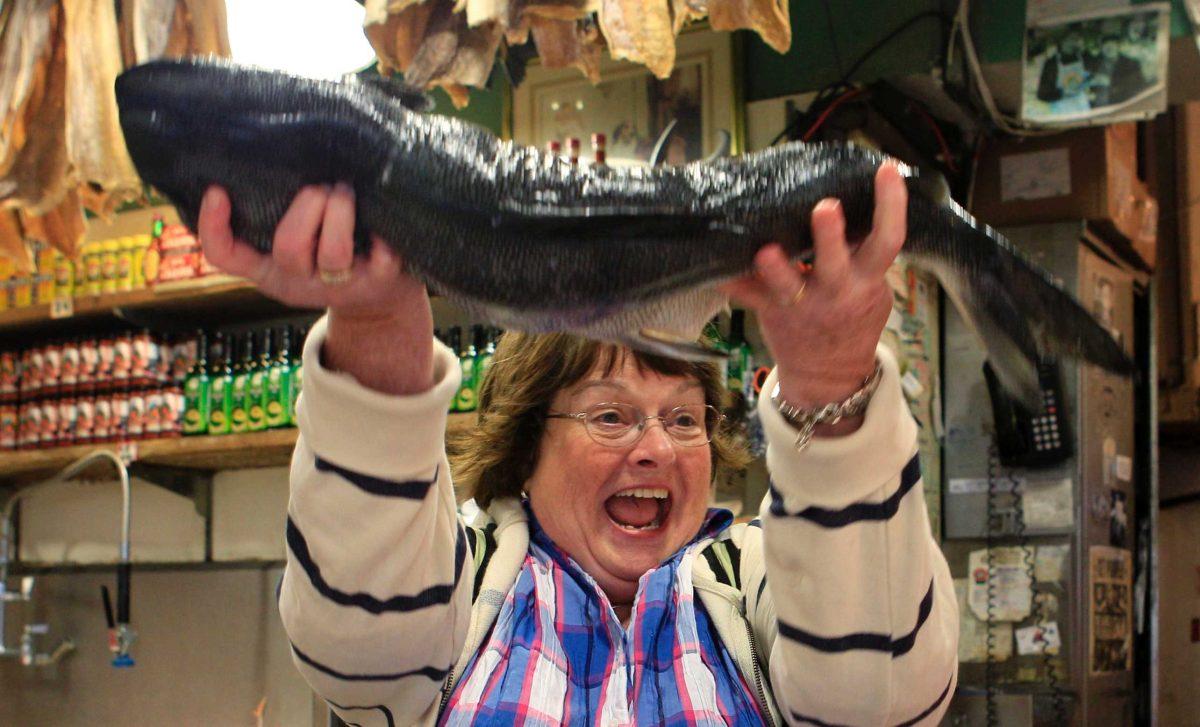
630 255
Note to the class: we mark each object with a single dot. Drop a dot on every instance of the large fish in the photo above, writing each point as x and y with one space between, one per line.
628 255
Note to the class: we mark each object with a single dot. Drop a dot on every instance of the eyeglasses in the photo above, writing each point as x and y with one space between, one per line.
621 425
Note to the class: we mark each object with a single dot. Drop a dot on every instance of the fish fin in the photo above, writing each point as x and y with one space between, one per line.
659 152
409 97
1002 295
666 343
722 149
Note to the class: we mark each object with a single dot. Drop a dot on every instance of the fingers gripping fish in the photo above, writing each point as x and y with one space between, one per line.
629 255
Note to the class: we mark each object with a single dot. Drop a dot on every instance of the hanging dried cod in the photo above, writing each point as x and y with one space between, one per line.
198 28
641 32
35 174
24 44
145 29
768 18
12 242
567 43
63 227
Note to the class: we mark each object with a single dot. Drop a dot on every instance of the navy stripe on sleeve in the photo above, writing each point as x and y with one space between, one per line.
432 596
805 719
858 511
866 640
428 672
408 489
387 713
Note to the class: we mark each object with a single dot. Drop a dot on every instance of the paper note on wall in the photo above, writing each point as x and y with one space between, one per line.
1035 175
973 633
1049 562
1039 638
1049 504
1005 590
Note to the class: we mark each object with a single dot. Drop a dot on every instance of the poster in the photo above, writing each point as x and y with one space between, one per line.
1007 584
1110 581
1089 66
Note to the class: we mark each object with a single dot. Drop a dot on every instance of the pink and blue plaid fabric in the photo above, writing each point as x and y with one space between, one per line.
558 654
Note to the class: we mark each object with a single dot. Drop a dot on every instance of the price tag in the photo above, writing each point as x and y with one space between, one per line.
128 452
62 307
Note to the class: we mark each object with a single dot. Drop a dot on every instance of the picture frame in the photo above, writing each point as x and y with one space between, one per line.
632 107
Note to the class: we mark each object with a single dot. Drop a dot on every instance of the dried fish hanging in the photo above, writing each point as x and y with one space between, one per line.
452 43
61 148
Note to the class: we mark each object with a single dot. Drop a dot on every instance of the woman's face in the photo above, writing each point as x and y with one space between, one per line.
583 492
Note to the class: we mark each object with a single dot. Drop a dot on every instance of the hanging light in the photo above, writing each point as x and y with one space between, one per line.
314 38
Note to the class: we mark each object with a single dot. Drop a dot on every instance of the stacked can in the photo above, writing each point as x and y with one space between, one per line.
84 391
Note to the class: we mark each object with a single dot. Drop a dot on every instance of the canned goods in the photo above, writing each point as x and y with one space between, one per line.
154 413
85 407
93 267
69 377
64 276
10 376
22 293
136 427
31 384
52 367
49 434
183 357
172 411
139 367
118 425
101 419
68 415
29 431
9 424
122 359
125 264
104 366
109 250
89 362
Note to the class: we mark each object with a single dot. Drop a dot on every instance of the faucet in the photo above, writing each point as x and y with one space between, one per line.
121 636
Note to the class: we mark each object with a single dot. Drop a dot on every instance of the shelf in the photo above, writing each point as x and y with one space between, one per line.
272 448
185 302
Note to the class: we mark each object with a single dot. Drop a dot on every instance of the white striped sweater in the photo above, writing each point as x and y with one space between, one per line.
387 593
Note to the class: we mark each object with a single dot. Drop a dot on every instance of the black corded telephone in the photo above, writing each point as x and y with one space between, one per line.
1031 439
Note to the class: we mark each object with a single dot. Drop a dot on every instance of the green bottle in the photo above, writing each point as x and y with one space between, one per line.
741 361
220 386
256 385
195 390
465 399
239 417
486 343
277 398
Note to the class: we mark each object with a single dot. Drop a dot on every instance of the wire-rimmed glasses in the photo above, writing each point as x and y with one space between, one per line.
614 424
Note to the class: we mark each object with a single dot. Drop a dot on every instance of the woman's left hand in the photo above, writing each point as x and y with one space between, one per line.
822 325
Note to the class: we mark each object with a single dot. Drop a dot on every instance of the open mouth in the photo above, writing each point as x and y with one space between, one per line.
640 509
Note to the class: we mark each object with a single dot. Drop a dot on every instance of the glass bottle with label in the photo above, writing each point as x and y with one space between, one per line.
239 415
220 385
196 390
278 393
256 385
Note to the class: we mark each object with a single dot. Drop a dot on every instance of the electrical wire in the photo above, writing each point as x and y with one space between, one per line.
947 157
962 28
829 110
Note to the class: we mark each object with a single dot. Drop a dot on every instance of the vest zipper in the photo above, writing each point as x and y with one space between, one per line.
450 689
762 695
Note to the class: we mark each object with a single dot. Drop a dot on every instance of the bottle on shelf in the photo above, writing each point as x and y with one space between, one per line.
454 342
573 151
486 344
599 151
220 387
239 412
277 397
741 355
256 385
553 152
296 380
196 390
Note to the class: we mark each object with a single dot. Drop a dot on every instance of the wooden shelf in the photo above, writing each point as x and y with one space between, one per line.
272 448
190 301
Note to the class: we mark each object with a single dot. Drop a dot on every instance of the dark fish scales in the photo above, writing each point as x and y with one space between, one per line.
630 255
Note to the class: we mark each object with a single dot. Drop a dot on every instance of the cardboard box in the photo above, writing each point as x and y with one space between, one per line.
1082 174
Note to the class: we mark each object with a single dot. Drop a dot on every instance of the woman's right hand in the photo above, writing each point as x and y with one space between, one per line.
380 323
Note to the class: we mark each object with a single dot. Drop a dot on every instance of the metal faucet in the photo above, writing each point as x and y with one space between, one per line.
121 636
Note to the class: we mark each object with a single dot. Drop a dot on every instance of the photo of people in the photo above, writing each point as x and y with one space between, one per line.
1080 69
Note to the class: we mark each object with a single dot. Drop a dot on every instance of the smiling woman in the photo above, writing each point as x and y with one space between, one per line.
314 38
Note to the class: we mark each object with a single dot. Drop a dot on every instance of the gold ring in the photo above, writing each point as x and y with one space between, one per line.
798 294
335 277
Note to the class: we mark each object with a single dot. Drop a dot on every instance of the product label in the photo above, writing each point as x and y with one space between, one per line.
277 397
256 392
195 396
239 417
220 404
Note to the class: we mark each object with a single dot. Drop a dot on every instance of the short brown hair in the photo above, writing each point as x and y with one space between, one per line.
494 458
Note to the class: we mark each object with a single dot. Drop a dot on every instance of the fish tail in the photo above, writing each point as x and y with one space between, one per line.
1022 315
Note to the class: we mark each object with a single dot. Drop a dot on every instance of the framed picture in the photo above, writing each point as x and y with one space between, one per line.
631 107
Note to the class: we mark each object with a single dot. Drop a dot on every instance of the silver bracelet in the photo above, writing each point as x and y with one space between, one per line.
807 419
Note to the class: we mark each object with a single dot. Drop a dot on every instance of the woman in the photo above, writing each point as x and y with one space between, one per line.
598 588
